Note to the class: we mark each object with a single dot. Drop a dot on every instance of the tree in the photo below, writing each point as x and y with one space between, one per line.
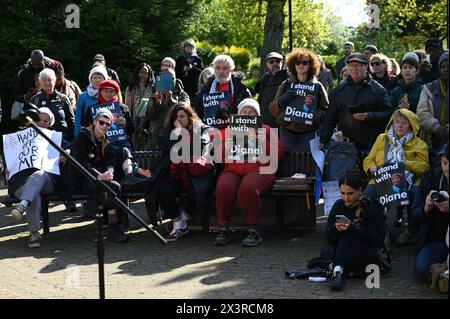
273 29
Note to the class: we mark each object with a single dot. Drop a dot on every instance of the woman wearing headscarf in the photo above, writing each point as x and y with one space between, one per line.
403 145
188 67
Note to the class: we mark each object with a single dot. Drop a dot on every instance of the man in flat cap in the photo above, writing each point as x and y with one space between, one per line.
268 85
359 106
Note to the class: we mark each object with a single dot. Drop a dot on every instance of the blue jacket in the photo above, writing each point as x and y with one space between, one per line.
84 101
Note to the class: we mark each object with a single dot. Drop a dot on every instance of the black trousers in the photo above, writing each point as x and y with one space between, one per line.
354 255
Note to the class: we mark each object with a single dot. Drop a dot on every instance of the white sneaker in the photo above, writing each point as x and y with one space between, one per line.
17 212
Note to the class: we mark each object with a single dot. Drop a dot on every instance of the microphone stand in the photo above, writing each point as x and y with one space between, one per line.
103 192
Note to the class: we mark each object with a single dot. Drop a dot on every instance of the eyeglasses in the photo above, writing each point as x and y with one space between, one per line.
274 61
103 123
304 62
376 63
355 65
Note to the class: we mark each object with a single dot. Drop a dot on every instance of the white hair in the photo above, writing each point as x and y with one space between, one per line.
223 58
47 73
170 60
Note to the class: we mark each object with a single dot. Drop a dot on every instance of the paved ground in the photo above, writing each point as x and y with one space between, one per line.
66 265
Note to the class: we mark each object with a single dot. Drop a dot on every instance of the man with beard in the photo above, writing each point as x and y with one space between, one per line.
224 90
268 85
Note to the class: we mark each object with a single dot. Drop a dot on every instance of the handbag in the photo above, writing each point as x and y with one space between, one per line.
16 109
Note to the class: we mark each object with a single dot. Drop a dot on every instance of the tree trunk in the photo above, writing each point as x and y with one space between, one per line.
273 30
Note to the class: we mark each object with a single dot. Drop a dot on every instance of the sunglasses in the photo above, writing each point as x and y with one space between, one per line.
304 62
103 123
274 61
375 63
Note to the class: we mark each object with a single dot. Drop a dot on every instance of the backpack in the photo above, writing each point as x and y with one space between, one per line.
340 157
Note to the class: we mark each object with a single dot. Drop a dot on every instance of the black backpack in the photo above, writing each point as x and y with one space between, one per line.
340 157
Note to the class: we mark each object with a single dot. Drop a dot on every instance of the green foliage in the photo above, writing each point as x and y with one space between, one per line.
240 56
330 62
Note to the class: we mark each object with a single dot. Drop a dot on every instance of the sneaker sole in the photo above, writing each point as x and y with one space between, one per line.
174 239
251 245
221 243
16 215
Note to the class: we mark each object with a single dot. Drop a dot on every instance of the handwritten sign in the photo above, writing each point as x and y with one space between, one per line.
331 194
26 148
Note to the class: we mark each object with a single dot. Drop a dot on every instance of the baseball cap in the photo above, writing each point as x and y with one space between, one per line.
359 57
274 55
434 42
99 57
443 150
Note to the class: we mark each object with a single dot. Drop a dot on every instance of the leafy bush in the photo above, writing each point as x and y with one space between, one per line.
330 62
241 56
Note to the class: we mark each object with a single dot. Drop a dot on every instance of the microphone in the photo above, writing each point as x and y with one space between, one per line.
30 113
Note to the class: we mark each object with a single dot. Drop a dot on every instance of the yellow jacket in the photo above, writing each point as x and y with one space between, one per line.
416 150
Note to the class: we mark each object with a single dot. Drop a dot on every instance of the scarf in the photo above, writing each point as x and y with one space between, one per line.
190 56
214 89
91 91
102 100
396 153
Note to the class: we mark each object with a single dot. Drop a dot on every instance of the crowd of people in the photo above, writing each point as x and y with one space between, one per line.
394 112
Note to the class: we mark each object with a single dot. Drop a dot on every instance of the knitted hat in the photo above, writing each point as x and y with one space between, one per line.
46 110
410 58
100 70
249 103
189 42
444 56
371 47
109 84
103 112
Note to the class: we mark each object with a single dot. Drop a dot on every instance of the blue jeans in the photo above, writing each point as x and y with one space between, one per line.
431 253
296 142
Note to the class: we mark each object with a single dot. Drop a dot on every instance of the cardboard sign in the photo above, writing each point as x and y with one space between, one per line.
142 107
244 129
215 104
391 184
303 108
116 132
331 193
26 148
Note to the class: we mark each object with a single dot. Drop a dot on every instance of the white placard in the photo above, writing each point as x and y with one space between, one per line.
25 149
331 194
317 153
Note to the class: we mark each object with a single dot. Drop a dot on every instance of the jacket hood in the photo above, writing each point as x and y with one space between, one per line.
412 118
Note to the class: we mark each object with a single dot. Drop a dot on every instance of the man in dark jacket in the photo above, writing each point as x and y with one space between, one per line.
342 62
221 95
359 106
433 47
268 85
188 68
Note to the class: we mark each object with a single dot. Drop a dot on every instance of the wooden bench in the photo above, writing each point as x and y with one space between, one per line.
291 164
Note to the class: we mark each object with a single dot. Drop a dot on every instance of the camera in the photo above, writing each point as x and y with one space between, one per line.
437 197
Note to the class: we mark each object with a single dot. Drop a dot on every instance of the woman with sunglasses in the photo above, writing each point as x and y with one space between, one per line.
94 152
381 69
309 100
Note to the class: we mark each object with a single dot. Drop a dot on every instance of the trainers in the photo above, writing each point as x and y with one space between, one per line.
177 233
115 234
17 212
253 238
222 238
337 282
34 240
169 226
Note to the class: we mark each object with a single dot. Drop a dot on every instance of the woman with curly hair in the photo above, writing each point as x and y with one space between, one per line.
301 101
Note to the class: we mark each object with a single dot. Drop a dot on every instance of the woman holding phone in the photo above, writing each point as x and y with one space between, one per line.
356 228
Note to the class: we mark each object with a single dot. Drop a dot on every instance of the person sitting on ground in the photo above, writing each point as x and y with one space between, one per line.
405 146
356 228
193 175
245 182
94 152
31 184
431 214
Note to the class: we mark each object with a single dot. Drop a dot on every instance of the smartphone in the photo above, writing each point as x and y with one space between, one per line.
164 82
342 219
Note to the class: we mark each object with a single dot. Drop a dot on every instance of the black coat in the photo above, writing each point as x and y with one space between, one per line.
61 108
241 92
371 229
435 221
267 88
349 98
